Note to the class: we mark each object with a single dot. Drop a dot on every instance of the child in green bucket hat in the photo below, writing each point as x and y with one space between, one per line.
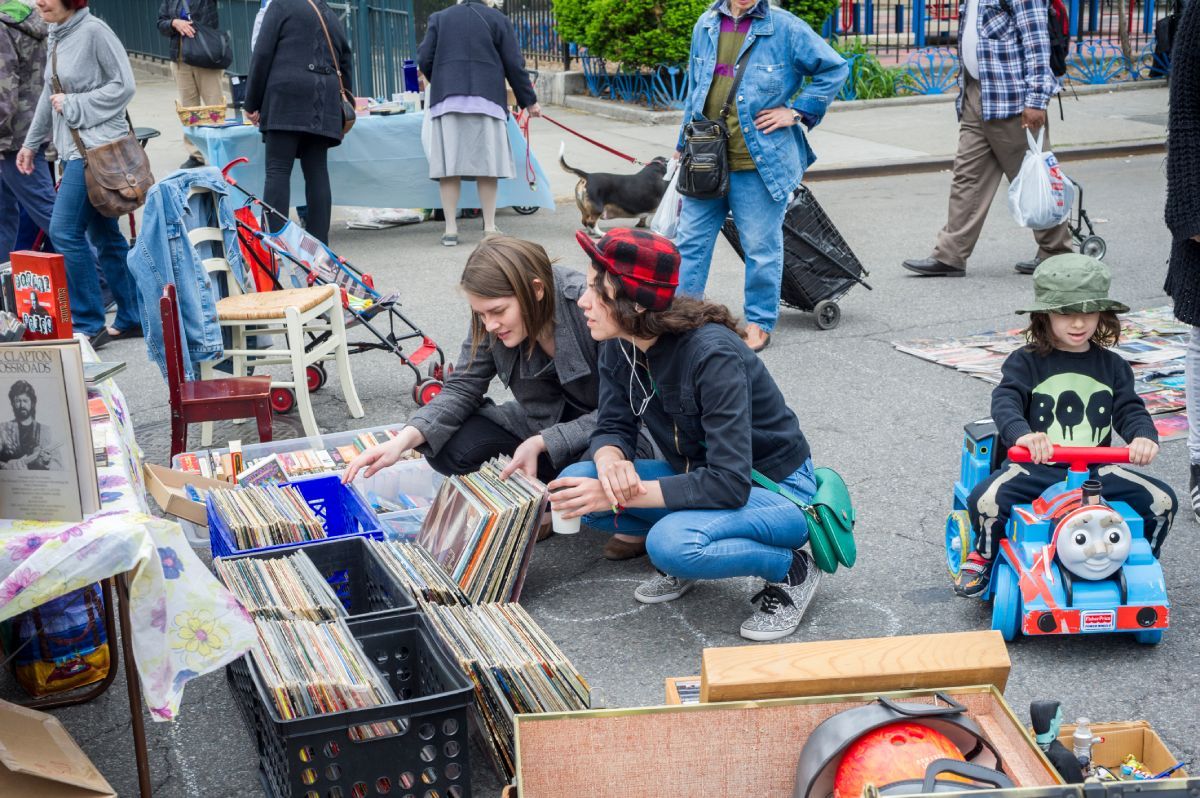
1065 387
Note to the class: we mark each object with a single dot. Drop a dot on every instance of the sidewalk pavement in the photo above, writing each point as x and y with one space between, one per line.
853 140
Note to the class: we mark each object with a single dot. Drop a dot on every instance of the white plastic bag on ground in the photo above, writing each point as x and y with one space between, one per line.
1041 196
666 218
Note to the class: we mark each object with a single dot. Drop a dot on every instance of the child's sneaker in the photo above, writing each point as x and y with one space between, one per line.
973 577
781 605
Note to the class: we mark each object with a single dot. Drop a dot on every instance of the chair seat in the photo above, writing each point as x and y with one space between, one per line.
266 305
225 390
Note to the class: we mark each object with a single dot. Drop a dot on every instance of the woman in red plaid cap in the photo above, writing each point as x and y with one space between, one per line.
679 368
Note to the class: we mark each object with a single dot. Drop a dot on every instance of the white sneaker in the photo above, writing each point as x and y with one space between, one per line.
662 588
781 605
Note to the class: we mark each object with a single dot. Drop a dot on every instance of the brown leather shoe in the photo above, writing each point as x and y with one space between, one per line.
545 530
617 549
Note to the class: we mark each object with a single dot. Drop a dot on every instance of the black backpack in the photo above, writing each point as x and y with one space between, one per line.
1058 25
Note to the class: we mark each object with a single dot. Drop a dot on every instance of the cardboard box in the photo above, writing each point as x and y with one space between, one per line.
740 748
828 667
38 758
1124 738
167 487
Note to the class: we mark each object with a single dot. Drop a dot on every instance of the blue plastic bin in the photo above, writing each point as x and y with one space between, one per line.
342 512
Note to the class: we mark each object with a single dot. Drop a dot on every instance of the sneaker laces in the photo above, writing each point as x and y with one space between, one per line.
771 598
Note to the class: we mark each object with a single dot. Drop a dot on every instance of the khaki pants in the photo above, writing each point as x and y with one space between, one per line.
987 149
198 87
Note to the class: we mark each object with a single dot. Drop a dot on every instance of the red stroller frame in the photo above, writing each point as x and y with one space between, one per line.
351 283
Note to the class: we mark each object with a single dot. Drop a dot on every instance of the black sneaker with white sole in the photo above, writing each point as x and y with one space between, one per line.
1194 489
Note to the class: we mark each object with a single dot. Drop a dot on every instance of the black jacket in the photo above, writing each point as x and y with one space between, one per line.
202 13
469 49
714 410
1183 167
293 83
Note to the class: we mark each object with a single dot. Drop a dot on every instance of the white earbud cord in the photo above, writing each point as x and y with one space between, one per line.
633 376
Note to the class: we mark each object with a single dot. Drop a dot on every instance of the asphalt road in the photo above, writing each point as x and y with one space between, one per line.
890 423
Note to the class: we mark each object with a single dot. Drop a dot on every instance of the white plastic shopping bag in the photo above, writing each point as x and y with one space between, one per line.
1041 196
666 218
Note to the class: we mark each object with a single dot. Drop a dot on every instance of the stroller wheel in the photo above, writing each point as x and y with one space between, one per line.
283 400
424 391
316 377
1093 247
828 314
526 210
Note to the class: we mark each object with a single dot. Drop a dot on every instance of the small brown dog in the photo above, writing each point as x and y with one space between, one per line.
604 195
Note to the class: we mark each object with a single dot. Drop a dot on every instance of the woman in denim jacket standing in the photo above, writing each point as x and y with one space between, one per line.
768 152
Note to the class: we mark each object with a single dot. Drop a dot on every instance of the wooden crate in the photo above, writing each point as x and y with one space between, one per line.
672 688
748 673
710 750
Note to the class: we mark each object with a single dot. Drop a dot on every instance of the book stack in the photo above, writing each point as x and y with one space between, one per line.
266 515
420 574
288 588
481 529
515 667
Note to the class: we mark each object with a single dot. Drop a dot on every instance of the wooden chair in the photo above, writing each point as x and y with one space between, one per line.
197 401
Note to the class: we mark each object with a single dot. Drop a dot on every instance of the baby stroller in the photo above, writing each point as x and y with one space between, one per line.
290 258
818 266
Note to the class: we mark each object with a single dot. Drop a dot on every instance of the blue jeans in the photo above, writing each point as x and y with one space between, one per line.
759 220
74 220
34 193
754 540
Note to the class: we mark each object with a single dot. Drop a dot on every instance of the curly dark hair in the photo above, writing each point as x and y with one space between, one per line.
1040 338
21 387
684 314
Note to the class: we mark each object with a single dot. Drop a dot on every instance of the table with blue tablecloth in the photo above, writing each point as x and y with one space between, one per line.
380 164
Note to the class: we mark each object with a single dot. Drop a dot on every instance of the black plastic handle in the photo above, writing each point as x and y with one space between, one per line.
968 770
914 711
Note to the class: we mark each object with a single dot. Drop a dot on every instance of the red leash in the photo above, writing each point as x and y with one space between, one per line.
604 147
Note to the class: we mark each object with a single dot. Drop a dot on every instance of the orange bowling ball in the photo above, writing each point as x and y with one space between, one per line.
897 752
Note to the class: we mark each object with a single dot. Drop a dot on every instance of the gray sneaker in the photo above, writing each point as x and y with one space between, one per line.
662 588
781 605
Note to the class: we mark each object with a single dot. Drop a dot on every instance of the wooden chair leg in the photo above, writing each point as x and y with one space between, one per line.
345 375
178 435
263 414
206 427
295 345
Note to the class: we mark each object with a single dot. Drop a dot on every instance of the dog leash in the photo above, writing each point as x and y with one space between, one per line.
604 147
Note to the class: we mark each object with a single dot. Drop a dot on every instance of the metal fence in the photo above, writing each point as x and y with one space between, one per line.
382 32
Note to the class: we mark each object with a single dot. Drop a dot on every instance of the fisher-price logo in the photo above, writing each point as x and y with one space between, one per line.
1098 621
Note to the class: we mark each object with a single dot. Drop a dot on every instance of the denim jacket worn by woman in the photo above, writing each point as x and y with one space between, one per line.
787 51
163 254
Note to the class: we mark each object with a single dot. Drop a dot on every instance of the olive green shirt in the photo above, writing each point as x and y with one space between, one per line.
728 46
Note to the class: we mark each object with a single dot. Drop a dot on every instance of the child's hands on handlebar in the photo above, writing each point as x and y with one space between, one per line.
1142 451
1039 446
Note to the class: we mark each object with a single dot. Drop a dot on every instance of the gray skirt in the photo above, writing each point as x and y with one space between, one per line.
470 145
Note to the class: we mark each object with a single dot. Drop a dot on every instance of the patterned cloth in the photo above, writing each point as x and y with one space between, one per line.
1014 57
184 623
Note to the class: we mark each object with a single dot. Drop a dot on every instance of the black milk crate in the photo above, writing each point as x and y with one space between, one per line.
317 756
818 265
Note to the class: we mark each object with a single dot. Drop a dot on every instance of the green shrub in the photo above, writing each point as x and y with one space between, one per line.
571 17
814 12
641 33
872 80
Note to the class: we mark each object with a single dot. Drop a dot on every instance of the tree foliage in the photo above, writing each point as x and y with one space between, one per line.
814 12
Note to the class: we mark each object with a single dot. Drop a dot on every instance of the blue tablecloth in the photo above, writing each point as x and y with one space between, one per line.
380 164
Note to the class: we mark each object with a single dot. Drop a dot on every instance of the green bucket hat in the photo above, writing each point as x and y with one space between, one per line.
1072 284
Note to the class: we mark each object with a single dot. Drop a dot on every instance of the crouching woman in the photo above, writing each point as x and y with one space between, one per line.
679 367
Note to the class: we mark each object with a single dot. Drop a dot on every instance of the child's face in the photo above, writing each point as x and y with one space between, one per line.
1073 331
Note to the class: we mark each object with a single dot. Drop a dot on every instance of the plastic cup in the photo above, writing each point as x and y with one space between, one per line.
564 526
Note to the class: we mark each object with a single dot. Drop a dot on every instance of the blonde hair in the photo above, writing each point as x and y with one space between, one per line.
503 266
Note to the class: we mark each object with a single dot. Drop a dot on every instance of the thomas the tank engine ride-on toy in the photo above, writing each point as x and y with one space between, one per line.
1070 562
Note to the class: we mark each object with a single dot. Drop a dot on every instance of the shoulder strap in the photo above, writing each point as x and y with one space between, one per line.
337 66
58 89
737 79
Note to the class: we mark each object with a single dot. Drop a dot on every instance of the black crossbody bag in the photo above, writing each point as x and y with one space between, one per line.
704 164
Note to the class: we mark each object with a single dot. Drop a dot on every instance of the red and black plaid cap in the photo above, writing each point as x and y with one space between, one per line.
646 264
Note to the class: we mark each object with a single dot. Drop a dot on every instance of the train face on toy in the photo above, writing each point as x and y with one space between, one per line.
1066 565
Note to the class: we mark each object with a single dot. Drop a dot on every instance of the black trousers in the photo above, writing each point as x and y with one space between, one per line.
991 502
477 441
283 148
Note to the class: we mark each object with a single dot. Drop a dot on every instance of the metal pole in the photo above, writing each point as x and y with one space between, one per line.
918 22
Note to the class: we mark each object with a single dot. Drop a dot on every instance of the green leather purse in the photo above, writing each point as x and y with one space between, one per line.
830 517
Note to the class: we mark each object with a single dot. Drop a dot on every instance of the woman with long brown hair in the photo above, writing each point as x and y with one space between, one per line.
679 368
528 331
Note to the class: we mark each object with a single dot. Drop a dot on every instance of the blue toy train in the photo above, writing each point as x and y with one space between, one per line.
1069 563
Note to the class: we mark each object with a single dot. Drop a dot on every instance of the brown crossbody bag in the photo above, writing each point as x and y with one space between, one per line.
117 174
349 116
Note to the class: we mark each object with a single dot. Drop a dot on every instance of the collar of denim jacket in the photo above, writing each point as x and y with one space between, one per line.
759 10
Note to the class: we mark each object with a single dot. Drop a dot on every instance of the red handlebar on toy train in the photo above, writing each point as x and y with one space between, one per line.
1079 457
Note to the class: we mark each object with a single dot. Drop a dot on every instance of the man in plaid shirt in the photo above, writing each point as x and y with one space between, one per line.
1004 86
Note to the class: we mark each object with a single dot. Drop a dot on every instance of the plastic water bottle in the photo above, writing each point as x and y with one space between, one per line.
1082 741
410 76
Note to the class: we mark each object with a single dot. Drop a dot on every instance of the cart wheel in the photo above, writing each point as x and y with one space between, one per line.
1006 602
828 314
429 389
1094 247
958 540
316 376
1149 637
283 400
526 210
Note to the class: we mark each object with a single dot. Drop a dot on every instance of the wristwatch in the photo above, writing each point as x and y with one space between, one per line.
797 117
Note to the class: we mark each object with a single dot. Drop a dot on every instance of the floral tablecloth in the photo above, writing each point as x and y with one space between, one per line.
184 622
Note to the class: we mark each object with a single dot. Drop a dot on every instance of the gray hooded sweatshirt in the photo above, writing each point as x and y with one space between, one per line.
97 79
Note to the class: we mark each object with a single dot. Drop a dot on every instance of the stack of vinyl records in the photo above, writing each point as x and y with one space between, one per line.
420 574
288 588
481 530
266 515
515 667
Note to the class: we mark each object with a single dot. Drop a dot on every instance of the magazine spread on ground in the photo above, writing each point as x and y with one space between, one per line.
1153 341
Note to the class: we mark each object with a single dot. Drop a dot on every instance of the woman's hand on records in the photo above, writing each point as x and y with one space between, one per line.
575 496
525 458
383 455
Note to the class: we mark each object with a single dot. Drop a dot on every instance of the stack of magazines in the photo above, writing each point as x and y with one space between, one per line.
280 588
515 667
266 515
481 529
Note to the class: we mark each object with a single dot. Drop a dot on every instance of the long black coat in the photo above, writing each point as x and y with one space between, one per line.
293 83
1183 167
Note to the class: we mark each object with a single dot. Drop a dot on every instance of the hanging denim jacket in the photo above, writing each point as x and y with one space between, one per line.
787 52
163 254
